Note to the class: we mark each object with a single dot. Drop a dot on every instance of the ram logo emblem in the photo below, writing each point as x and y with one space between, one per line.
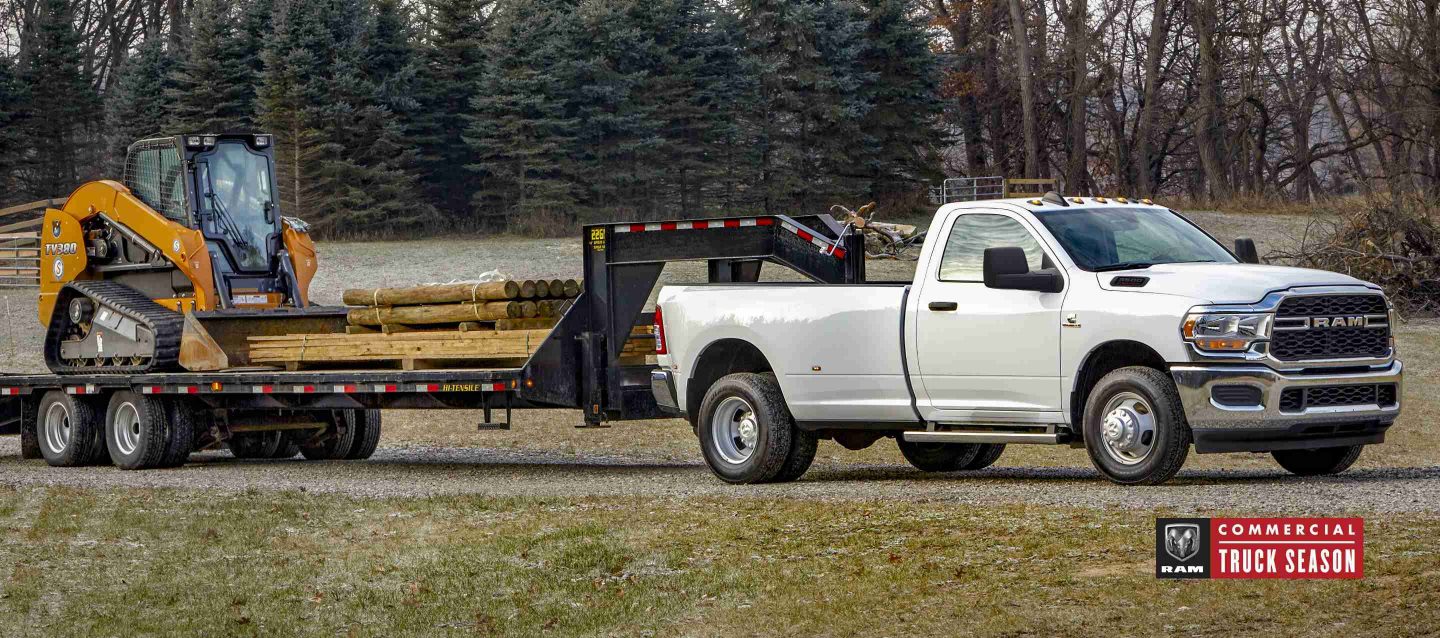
1357 321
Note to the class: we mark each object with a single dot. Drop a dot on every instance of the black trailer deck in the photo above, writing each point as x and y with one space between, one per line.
577 367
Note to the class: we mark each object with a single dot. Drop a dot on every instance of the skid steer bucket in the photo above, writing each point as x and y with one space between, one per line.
218 340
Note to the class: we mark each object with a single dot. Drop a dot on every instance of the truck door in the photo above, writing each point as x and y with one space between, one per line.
984 354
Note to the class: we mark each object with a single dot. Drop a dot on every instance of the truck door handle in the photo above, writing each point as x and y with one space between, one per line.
944 305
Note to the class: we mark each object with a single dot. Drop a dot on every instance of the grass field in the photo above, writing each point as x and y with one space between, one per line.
80 562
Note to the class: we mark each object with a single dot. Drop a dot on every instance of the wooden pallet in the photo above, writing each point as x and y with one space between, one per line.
418 350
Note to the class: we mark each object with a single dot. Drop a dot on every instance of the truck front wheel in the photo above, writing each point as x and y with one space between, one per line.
746 432
1134 426
1330 460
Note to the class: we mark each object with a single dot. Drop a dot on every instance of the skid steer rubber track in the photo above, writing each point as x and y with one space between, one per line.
166 324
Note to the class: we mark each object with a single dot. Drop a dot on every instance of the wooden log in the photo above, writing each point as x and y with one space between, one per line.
572 288
527 309
450 313
525 324
556 287
527 289
543 309
542 288
438 294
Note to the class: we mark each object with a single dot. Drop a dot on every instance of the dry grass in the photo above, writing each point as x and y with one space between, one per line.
1251 204
187 563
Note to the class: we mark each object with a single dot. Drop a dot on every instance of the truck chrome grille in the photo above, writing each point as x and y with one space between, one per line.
1298 399
1296 338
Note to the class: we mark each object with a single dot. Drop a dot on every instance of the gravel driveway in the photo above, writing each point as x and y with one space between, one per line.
421 472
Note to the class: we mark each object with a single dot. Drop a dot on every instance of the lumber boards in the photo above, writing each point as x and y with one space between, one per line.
418 349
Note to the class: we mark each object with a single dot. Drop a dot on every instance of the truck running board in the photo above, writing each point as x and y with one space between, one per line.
1051 435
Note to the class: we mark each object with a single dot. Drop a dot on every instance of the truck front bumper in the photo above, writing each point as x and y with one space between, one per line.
1258 409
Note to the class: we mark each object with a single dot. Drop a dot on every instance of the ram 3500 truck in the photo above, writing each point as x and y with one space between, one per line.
1112 324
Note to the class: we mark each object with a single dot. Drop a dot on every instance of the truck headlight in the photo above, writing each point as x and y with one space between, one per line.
1225 332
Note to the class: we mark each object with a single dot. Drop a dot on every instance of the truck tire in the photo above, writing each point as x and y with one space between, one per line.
367 434
69 430
256 445
183 425
137 431
1329 460
336 441
746 432
937 457
1134 427
987 455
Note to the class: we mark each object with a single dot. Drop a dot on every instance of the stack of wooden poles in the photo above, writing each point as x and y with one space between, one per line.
502 305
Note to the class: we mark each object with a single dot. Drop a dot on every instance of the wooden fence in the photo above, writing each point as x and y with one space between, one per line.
20 243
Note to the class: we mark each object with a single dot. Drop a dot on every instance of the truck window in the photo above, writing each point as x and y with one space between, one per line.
964 256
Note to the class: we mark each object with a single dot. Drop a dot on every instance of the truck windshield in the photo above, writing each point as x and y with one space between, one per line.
240 183
1118 238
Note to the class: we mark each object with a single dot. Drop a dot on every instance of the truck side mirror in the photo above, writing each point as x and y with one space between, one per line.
1245 250
1007 268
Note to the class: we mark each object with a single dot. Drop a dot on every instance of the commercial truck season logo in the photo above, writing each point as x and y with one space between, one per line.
1259 547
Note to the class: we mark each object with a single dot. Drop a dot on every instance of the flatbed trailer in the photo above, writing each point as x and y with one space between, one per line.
578 366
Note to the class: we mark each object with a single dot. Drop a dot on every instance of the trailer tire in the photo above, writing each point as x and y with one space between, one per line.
336 441
367 434
137 431
288 448
1316 462
29 429
938 457
989 453
183 424
256 445
69 430
745 429
1122 408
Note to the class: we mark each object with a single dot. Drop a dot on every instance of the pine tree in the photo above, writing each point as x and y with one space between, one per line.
452 65
899 131
136 106
806 113
214 84
63 106
13 97
341 161
390 59
523 132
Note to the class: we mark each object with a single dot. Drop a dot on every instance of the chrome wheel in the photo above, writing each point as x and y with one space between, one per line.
126 429
735 429
1128 431
57 428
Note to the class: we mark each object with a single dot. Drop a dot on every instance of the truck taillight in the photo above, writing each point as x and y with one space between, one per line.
660 332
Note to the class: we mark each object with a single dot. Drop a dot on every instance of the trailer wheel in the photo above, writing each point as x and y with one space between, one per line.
288 448
137 431
746 432
183 426
68 430
367 434
256 445
1330 460
29 429
336 441
938 457
989 453
1135 427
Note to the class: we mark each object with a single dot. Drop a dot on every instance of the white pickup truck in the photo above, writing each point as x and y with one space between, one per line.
1109 323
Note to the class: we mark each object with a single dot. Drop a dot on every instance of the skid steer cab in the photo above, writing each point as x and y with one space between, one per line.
177 264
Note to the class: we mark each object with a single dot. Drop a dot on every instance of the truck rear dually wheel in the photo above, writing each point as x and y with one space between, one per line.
1134 427
1330 460
747 434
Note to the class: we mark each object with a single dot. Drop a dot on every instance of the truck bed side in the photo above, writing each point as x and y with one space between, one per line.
835 349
